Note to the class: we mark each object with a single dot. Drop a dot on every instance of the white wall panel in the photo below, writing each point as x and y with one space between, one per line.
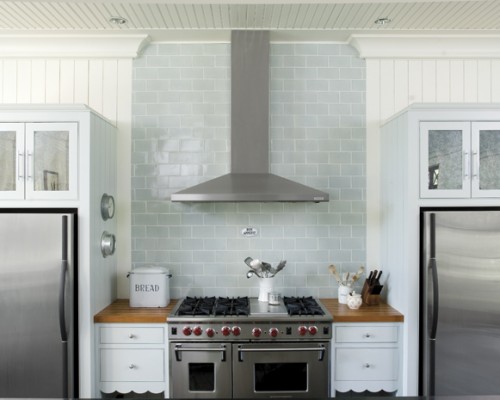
24 81
429 86
484 81
470 82
9 81
38 82
81 85
443 81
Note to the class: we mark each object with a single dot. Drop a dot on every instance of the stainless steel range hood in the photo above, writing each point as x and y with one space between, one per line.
250 179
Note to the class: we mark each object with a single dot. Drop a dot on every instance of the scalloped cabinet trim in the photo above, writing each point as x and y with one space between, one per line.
72 46
131 358
426 46
366 356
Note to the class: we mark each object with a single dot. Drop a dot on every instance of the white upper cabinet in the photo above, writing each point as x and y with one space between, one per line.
39 161
485 161
459 159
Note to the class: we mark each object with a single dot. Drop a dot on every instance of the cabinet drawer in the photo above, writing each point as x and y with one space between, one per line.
131 335
366 334
145 365
366 364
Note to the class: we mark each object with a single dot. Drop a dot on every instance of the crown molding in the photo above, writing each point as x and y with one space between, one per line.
426 46
72 46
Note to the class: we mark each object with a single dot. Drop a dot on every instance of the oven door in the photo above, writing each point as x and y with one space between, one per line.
200 370
281 370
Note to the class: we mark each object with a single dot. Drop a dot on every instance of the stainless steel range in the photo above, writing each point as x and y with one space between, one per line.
244 348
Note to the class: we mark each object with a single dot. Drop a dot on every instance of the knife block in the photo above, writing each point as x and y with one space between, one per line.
370 298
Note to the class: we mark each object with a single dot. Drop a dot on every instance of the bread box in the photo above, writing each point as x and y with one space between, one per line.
149 287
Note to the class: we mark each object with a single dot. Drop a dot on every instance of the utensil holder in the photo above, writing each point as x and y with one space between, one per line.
344 291
265 287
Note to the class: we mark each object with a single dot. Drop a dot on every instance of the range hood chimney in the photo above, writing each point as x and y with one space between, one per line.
250 179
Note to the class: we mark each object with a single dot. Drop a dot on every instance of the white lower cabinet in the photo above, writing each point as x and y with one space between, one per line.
132 358
366 357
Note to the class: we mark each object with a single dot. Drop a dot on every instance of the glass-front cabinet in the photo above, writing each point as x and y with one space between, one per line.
459 159
38 161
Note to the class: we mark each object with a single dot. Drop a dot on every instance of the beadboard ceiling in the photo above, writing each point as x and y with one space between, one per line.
335 19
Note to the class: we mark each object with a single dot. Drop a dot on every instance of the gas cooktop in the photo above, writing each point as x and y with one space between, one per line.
220 308
244 318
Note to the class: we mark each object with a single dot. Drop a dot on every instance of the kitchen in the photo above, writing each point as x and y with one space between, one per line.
206 238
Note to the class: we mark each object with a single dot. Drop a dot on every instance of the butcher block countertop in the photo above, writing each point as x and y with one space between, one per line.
120 312
376 313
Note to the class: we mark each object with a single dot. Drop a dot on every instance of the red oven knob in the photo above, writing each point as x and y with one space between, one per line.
313 330
236 330
302 330
256 332
186 331
273 332
197 330
225 330
210 332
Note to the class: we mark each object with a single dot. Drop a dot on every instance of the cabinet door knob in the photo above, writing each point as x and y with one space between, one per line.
367 365
131 366
367 336
131 336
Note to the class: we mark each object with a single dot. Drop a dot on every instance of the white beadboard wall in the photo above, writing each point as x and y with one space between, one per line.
104 85
392 85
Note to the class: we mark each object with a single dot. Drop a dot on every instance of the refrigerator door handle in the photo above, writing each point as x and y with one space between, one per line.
62 280
435 298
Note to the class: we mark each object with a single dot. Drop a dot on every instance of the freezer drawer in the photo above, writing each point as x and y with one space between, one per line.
363 364
132 365
366 334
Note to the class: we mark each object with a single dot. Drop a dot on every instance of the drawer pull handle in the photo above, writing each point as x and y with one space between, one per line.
367 365
131 366
367 336
131 336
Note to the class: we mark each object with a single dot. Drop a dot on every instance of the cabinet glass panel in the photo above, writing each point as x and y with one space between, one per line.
445 160
489 159
51 160
7 160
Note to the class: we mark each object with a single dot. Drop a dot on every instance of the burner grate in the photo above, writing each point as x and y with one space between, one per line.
207 306
232 306
302 306
196 306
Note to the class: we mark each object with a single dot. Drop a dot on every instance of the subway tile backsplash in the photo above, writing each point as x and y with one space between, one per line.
181 137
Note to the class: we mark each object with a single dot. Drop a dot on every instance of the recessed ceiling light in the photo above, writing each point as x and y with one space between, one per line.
118 20
383 21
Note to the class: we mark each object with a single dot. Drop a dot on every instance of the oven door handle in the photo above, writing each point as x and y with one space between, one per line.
321 349
179 349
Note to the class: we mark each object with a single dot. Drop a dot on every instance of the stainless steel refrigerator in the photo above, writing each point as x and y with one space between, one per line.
460 302
38 322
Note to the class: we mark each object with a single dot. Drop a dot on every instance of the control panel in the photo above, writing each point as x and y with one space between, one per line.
250 331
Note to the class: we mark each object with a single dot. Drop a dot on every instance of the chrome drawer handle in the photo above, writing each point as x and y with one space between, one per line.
320 349
178 349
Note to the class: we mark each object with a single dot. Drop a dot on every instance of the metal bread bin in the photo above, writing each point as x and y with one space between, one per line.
149 287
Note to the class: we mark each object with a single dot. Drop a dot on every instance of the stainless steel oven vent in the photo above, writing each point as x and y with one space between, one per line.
250 179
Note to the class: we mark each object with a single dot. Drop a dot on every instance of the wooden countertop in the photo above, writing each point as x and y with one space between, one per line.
376 313
120 312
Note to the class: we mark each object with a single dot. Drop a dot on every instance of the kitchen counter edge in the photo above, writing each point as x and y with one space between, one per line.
120 312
